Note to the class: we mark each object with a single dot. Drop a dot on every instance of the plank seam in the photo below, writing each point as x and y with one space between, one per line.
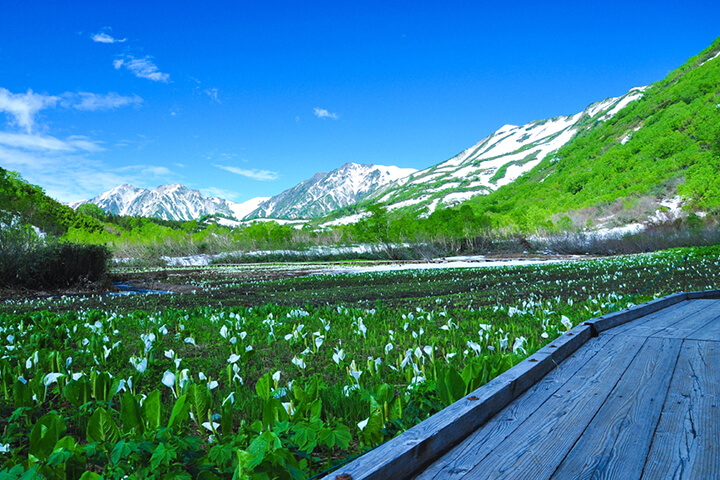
662 410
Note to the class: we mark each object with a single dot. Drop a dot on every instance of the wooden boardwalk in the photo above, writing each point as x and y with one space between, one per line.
633 395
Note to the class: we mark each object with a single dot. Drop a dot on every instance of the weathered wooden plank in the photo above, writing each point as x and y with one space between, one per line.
616 443
703 294
615 319
538 446
686 442
664 319
459 460
693 323
709 332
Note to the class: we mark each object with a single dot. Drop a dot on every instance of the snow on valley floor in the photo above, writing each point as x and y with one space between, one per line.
451 262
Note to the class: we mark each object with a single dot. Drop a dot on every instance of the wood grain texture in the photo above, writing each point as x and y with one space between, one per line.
693 323
538 446
658 321
687 441
477 446
616 442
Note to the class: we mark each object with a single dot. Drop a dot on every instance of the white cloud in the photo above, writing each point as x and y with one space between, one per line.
219 192
322 113
94 101
147 170
212 93
24 106
264 175
142 68
46 143
105 38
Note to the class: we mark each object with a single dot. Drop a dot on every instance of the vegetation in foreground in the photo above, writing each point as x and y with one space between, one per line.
177 387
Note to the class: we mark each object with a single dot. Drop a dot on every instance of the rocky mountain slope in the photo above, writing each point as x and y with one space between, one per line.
329 191
166 202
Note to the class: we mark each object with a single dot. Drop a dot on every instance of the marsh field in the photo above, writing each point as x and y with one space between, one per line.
283 371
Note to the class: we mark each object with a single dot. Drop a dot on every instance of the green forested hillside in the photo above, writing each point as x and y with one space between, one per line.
668 142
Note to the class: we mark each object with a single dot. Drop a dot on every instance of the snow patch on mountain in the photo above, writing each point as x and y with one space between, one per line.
329 191
496 160
166 202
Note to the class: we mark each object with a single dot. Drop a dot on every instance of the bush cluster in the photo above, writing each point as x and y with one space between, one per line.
50 264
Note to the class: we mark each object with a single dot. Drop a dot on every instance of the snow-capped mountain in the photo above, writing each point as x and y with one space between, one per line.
326 192
167 202
316 197
496 160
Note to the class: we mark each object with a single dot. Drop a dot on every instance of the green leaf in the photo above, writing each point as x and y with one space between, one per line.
262 387
102 385
152 410
179 412
131 413
45 434
384 393
455 385
122 450
101 428
201 400
78 392
305 436
89 476
162 455
342 436
60 456
396 409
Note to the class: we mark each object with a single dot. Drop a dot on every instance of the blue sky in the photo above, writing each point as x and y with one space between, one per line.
243 99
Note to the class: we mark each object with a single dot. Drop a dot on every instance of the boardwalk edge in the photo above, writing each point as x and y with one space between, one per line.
411 451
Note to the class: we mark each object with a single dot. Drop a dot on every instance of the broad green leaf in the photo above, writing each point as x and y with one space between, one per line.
89 476
102 386
45 434
454 384
78 392
152 410
179 412
162 455
385 393
101 428
395 409
339 436
121 450
263 386
305 436
201 400
131 413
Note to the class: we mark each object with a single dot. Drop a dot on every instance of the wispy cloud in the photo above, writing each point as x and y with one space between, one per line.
219 192
142 68
105 38
263 175
322 113
147 170
212 93
95 101
23 107
47 143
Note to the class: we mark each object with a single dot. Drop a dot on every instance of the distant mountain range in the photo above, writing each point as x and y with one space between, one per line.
315 197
